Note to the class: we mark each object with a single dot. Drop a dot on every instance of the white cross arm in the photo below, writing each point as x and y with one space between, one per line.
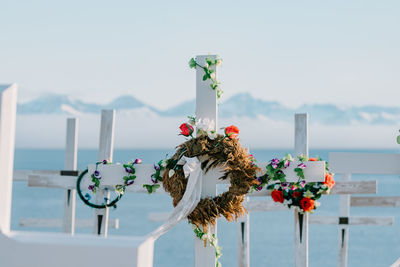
375 201
352 220
365 163
55 223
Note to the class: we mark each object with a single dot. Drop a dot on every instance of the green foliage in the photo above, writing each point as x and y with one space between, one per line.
398 139
209 73
151 188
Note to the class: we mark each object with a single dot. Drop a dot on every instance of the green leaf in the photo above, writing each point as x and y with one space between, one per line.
192 63
398 139
205 77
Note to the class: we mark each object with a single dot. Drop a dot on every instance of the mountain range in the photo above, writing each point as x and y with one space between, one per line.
239 105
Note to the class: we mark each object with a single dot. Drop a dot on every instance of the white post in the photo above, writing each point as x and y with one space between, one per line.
106 147
206 107
71 152
244 240
301 220
343 225
8 107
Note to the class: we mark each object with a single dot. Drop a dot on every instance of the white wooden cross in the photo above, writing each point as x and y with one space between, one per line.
54 249
347 164
68 222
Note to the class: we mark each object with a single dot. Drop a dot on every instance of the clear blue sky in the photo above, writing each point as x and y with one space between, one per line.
345 52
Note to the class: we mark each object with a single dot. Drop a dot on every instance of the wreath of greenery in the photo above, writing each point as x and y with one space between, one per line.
86 200
237 166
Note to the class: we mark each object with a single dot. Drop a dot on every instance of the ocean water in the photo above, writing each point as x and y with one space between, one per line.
271 232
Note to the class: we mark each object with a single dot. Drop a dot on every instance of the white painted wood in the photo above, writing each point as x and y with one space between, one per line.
65 250
8 106
263 205
71 154
106 147
344 211
206 107
301 220
375 201
22 175
364 163
56 223
353 220
355 187
396 263
244 241
301 134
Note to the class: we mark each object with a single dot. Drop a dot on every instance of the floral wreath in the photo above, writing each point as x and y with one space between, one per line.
129 179
213 150
299 194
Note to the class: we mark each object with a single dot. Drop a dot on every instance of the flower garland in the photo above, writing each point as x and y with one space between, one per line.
299 194
128 179
209 73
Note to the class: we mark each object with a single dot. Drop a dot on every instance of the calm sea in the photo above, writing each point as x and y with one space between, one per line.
271 232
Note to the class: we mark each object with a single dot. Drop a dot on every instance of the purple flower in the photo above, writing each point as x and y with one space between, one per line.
91 187
301 166
97 175
285 185
129 182
303 183
259 188
105 161
287 163
153 179
138 161
128 170
274 163
156 167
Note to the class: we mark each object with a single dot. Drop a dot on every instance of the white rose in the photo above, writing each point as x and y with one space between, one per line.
212 135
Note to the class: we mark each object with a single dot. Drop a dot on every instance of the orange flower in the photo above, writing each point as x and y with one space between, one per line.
329 181
277 196
312 159
231 131
307 204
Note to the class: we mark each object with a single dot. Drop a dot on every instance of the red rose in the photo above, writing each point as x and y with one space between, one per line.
307 204
329 180
186 129
296 194
231 131
277 196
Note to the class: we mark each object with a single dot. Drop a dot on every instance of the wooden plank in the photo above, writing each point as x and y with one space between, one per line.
375 201
355 187
364 163
56 223
244 241
106 147
206 107
22 175
344 211
8 110
263 205
301 220
71 155
352 220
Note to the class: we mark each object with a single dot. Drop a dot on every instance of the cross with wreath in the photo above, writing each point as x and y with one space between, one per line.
132 177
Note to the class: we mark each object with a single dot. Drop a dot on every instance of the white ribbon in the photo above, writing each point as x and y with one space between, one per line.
189 201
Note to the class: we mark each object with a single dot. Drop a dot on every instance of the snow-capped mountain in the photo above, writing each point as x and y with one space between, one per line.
239 105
